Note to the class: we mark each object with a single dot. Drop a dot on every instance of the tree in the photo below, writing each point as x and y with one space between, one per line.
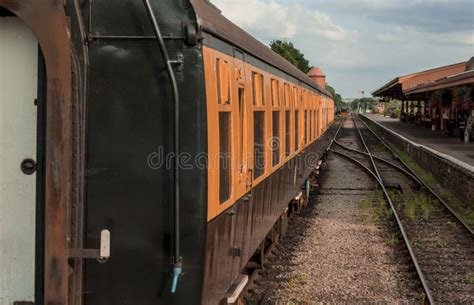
288 51
336 96
363 104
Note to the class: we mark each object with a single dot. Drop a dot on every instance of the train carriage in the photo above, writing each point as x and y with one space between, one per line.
166 143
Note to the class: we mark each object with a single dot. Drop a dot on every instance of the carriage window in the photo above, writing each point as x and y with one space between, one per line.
283 96
308 127
287 95
276 138
303 125
224 156
275 95
297 113
223 88
296 99
259 143
287 133
241 127
315 123
257 89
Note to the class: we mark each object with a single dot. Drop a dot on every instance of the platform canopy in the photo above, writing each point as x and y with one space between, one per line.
399 87
393 89
452 81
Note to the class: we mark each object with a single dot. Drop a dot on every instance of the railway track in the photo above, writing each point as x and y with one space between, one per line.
439 243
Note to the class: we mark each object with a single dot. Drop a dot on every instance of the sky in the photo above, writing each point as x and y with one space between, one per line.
362 44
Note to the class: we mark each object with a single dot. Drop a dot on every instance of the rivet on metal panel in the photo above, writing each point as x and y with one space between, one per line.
179 62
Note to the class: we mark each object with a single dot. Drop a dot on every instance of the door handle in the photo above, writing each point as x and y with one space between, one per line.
102 254
249 178
28 166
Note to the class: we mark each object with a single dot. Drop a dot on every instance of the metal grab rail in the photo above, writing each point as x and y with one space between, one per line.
177 259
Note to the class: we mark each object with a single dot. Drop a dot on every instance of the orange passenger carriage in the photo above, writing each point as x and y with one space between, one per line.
172 144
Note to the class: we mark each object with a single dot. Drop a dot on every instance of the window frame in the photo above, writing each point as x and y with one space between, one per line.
223 73
223 81
259 105
276 106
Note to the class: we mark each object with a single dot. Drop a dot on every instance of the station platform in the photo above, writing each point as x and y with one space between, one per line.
450 148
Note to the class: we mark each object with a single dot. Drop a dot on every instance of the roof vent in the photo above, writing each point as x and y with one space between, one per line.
317 76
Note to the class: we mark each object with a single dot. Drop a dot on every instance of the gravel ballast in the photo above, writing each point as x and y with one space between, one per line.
334 252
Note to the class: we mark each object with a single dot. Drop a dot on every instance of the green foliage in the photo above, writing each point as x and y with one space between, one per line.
416 205
436 97
465 209
441 96
427 177
375 207
470 278
415 243
288 51
396 113
395 103
460 92
363 103
336 96
440 244
422 298
393 240
463 97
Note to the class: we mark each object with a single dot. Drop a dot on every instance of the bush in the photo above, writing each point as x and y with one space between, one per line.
396 113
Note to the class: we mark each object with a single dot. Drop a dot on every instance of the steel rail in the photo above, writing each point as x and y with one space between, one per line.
335 135
454 213
406 172
358 162
398 220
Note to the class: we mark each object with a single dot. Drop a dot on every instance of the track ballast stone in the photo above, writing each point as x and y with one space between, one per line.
333 254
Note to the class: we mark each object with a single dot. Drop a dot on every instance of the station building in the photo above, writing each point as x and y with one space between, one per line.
439 98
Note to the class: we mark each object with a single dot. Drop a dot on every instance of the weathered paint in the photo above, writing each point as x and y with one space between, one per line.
46 19
18 113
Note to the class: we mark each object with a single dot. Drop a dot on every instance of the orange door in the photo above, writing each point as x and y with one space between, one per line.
241 93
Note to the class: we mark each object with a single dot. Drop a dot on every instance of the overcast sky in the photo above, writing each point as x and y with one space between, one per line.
361 44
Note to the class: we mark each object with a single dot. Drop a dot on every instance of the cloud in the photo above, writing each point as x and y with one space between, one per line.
268 20
425 15
390 38
405 34
360 44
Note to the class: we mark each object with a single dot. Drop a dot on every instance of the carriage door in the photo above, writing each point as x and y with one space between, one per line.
242 112
18 157
245 174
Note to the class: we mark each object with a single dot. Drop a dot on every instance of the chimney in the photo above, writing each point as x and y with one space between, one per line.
317 76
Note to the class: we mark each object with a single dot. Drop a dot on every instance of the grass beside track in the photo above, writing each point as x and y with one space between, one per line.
464 209
375 207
